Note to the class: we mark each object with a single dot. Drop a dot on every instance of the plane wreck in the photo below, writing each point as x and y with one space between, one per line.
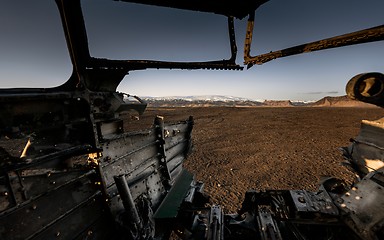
81 176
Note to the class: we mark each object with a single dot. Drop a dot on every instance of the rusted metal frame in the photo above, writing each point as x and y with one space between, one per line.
248 37
141 171
139 107
160 140
71 151
191 123
358 203
268 226
368 144
175 156
215 229
28 94
76 38
76 150
131 65
147 164
378 177
110 191
197 188
232 39
12 193
174 146
20 205
115 160
128 203
358 37
22 186
89 221
84 64
67 213
141 175
175 167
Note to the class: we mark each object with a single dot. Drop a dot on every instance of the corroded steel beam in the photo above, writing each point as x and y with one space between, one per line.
362 36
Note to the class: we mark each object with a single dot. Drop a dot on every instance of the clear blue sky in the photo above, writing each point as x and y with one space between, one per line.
33 50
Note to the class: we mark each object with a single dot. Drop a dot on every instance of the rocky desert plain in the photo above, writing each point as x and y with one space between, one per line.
281 147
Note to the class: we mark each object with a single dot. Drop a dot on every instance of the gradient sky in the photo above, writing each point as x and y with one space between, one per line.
33 51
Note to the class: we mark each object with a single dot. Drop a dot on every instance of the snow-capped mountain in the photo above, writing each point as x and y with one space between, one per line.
231 101
199 101
214 98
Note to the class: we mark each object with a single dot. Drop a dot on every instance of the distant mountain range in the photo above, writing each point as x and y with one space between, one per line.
342 101
230 101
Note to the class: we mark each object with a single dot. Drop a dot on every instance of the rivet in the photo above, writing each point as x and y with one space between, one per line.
301 199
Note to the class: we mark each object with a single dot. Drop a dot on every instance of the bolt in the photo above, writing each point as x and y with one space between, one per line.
301 199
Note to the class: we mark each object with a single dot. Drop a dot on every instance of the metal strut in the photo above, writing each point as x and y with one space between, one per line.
232 39
358 37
